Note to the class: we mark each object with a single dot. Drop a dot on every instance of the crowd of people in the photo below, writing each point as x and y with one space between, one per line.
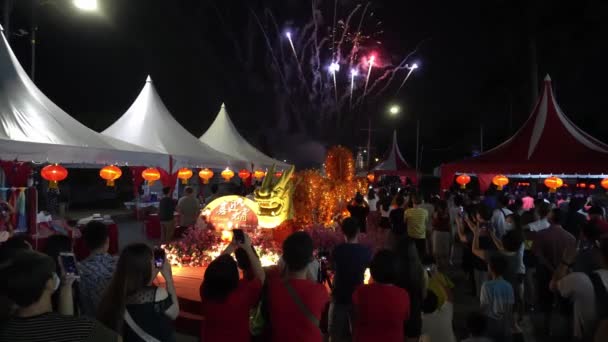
519 260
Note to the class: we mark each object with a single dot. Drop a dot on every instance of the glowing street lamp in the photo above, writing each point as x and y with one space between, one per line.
86 5
394 110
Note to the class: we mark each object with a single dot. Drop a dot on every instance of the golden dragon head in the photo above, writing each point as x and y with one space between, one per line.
274 198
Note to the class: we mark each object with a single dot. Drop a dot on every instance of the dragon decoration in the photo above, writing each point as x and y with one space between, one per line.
274 199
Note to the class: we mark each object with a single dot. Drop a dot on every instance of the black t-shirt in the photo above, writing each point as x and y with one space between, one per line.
397 218
55 327
166 207
350 261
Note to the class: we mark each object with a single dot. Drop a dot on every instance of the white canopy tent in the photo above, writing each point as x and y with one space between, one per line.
224 137
33 128
148 123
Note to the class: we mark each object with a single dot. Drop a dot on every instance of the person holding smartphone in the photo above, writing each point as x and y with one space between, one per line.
226 300
132 305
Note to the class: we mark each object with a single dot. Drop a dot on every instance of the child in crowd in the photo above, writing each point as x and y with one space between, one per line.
497 300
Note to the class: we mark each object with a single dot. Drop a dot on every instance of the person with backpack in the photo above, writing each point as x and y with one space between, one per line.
588 291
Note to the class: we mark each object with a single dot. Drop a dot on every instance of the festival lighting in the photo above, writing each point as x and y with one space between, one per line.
151 175
500 181
184 174
463 180
86 5
110 173
394 110
334 67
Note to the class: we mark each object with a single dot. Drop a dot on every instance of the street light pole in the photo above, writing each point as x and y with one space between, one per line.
417 142
369 141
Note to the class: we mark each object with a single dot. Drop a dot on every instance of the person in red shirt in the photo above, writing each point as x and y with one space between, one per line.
381 308
596 216
295 302
226 300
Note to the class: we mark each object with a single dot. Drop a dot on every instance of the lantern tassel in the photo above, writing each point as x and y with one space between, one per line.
463 186
110 182
184 181
53 185
150 182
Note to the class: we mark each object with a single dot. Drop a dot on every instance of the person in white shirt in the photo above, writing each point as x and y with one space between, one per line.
579 287
372 199
499 216
437 322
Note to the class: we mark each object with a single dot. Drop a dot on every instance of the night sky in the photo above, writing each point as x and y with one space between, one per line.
475 66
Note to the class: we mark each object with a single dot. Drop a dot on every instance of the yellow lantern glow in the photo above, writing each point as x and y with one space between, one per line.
151 175
227 174
205 174
259 174
184 174
553 183
500 181
110 173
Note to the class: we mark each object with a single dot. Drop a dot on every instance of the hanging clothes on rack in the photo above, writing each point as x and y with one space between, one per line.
20 211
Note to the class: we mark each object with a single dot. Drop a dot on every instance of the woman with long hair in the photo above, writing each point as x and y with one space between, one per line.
226 300
132 305
414 280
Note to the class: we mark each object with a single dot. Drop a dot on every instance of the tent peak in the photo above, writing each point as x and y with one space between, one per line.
547 78
1 28
149 79
223 105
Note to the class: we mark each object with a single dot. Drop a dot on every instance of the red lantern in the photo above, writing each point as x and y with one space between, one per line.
205 175
553 183
54 173
259 174
582 185
110 173
184 174
227 174
463 180
278 174
604 183
151 175
371 177
592 186
500 181
244 174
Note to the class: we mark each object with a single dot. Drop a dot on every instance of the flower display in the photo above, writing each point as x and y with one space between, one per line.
199 247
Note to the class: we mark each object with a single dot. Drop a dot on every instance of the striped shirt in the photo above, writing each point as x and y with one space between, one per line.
416 220
56 328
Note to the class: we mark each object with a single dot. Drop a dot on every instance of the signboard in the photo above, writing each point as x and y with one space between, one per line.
232 212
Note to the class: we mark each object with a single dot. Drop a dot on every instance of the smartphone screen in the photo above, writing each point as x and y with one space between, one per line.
238 235
68 261
159 257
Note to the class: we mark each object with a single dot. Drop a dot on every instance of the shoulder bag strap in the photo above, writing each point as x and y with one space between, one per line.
136 329
301 306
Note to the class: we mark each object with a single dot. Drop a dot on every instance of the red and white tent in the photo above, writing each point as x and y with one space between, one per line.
395 164
547 144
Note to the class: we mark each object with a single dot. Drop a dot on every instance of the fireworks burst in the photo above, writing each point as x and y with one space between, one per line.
317 64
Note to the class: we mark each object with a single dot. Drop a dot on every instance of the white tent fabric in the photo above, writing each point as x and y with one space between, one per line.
224 137
148 123
33 128
394 160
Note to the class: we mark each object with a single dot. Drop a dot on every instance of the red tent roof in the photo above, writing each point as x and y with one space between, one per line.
548 142
395 164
